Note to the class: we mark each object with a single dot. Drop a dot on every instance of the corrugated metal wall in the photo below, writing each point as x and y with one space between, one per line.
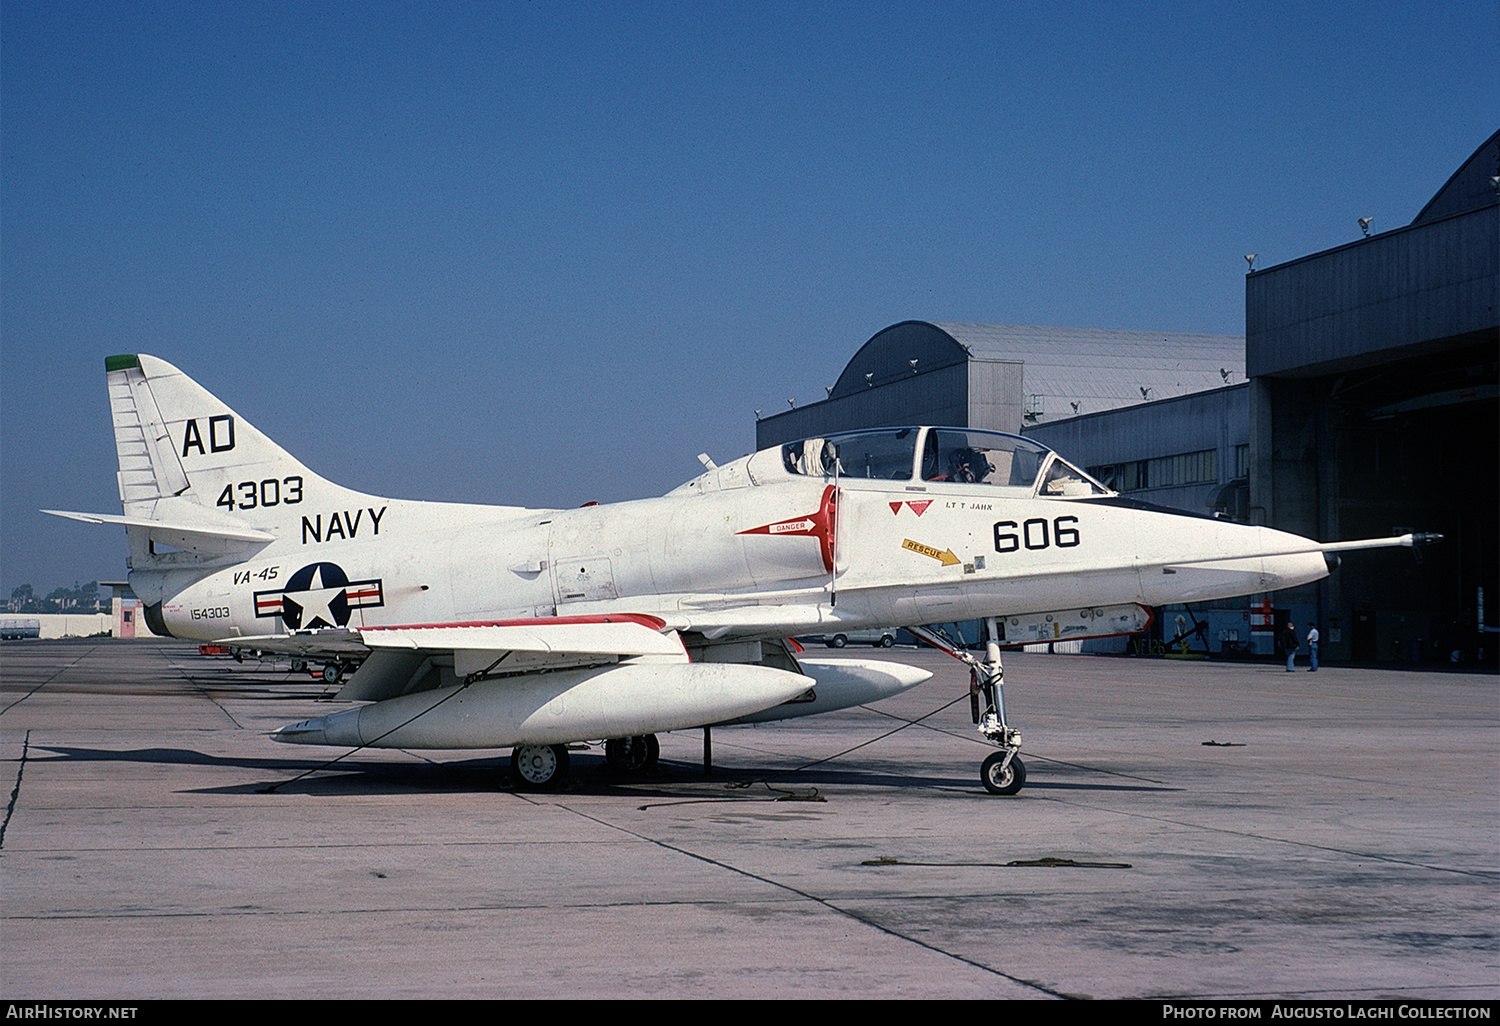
1375 298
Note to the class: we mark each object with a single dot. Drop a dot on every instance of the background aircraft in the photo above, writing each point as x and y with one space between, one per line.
470 626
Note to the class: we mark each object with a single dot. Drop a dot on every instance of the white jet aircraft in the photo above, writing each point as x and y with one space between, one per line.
472 626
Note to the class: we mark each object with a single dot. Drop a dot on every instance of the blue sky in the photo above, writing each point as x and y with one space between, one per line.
545 253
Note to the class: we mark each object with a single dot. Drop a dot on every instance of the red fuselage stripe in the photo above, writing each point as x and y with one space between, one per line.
654 623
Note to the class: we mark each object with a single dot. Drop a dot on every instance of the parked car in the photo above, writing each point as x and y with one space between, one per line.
882 638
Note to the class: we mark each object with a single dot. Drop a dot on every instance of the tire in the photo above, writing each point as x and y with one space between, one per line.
1007 783
886 641
631 755
538 767
839 641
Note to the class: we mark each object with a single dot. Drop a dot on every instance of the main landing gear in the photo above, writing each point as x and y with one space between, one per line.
538 767
545 767
628 756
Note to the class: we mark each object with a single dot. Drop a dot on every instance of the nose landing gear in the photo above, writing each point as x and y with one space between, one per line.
1003 772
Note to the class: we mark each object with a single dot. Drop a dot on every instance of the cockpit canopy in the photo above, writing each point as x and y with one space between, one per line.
954 455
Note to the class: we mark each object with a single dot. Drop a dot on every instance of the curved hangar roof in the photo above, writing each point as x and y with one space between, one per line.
1098 368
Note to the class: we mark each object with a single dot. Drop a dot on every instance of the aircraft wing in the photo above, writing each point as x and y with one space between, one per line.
398 660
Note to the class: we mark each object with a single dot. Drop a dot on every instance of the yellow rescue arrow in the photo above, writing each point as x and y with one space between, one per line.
947 558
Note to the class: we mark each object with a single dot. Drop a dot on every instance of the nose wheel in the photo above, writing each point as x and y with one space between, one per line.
1003 773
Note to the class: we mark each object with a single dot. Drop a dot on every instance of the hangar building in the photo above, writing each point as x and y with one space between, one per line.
1375 404
1372 403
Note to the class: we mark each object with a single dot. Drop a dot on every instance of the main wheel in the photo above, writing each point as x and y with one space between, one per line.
632 754
996 781
538 767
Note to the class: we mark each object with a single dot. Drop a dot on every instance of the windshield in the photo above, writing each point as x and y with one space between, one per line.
1064 479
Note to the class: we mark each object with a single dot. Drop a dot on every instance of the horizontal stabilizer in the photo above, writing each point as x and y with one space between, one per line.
177 534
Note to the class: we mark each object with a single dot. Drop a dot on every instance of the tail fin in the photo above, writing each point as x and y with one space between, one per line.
176 440
196 476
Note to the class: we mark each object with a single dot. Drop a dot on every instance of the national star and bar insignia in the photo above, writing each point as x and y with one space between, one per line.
319 595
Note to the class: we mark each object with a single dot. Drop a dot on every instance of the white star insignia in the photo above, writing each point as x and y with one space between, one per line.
316 600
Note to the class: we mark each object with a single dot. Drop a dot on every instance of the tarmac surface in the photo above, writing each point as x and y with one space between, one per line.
1340 839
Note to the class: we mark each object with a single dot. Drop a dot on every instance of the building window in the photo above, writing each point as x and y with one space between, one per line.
1187 468
1184 469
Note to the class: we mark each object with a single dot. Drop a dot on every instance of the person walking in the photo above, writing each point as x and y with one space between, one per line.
1289 642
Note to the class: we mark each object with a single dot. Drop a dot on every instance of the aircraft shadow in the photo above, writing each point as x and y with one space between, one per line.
589 776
